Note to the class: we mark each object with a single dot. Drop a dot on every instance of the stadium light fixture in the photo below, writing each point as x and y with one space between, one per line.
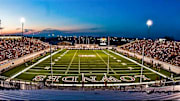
149 23
22 20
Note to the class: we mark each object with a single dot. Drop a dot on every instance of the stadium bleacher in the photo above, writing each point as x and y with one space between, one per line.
166 51
15 48
83 95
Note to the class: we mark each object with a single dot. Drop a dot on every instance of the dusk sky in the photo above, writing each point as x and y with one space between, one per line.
116 17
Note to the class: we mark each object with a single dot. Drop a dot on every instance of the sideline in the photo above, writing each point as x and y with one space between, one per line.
15 62
12 77
164 65
141 65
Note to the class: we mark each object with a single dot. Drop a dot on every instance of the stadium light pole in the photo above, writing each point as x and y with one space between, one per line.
22 22
79 39
33 35
108 55
0 27
51 64
51 61
86 40
79 64
149 24
142 64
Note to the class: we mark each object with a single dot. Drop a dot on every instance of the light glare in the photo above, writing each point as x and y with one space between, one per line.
22 20
149 23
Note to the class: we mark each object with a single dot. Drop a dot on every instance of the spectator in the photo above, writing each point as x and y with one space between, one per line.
15 48
166 51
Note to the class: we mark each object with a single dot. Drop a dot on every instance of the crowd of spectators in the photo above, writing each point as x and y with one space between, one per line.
166 51
15 48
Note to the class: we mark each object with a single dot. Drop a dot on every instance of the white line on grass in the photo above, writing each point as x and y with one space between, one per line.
113 84
86 74
140 64
104 62
32 65
70 62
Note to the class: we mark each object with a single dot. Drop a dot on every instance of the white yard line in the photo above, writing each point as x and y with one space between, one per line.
177 78
32 65
104 62
86 74
113 84
71 62
140 64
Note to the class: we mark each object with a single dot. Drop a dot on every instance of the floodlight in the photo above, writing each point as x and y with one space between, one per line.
149 23
22 20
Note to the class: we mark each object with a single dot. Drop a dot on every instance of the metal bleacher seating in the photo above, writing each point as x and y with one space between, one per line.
83 95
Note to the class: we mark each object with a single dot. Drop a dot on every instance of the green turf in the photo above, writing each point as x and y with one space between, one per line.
21 67
165 72
68 65
88 65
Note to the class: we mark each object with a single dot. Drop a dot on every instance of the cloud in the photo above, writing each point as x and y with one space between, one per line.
95 28
92 29
18 28
51 30
28 30
70 31
48 29
25 30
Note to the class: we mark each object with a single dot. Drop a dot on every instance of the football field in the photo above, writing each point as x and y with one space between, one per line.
90 66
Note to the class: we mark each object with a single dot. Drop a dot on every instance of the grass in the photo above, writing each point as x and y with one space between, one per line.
21 67
163 71
68 65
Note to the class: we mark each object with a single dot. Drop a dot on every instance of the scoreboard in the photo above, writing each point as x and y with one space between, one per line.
103 41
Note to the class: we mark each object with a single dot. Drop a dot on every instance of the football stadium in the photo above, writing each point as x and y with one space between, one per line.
89 50
82 65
